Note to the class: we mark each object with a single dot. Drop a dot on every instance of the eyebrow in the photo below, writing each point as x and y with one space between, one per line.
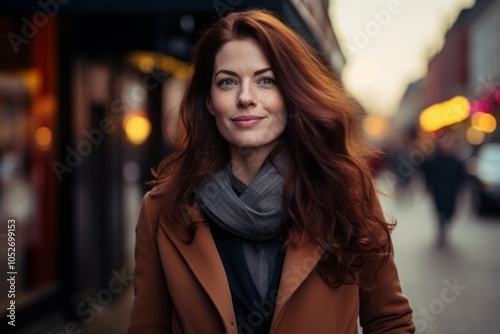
235 74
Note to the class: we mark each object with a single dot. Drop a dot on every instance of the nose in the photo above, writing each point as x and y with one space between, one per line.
246 97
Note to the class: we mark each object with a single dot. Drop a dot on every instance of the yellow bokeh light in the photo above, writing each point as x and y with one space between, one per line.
375 126
147 62
32 80
475 119
43 137
474 136
484 122
137 128
444 114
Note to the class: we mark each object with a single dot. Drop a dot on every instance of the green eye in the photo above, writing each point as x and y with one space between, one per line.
226 82
268 81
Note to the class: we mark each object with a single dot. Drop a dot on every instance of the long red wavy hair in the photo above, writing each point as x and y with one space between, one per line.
329 191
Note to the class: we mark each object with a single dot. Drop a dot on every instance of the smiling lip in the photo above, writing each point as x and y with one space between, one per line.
246 121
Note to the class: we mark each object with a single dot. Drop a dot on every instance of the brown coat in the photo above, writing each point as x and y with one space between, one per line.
182 288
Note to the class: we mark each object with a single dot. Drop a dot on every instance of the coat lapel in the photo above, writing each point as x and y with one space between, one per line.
298 264
202 257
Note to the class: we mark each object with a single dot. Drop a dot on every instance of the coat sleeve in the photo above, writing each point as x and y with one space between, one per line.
384 309
152 309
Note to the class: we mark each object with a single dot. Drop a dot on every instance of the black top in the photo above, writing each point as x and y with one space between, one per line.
253 314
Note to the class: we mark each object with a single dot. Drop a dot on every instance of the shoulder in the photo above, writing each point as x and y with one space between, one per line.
151 200
151 208
157 209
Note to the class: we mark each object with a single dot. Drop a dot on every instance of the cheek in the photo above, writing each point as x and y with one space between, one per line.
281 122
221 110
221 104
279 111
276 102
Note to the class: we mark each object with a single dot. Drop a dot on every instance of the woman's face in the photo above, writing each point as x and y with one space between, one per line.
248 106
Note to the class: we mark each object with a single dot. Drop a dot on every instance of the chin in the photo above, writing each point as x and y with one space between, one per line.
248 146
253 145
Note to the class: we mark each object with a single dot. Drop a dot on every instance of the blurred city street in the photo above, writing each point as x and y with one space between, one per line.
470 263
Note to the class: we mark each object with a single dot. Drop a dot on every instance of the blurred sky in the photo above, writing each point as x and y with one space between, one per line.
388 44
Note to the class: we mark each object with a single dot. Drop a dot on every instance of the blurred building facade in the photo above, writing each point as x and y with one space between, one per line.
88 99
459 96
467 65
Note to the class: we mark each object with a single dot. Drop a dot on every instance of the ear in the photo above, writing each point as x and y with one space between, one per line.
210 107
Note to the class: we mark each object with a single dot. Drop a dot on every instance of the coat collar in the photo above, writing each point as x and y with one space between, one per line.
202 257
299 263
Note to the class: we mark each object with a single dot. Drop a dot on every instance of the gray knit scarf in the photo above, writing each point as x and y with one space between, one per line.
256 216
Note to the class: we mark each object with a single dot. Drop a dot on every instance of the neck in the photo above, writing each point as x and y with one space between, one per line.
246 162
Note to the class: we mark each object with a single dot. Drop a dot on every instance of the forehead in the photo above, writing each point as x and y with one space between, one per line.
241 54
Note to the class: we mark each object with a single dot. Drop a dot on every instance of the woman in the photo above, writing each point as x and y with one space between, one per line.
266 219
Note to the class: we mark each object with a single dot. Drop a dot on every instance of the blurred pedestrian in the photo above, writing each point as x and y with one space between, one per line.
266 220
444 176
401 164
